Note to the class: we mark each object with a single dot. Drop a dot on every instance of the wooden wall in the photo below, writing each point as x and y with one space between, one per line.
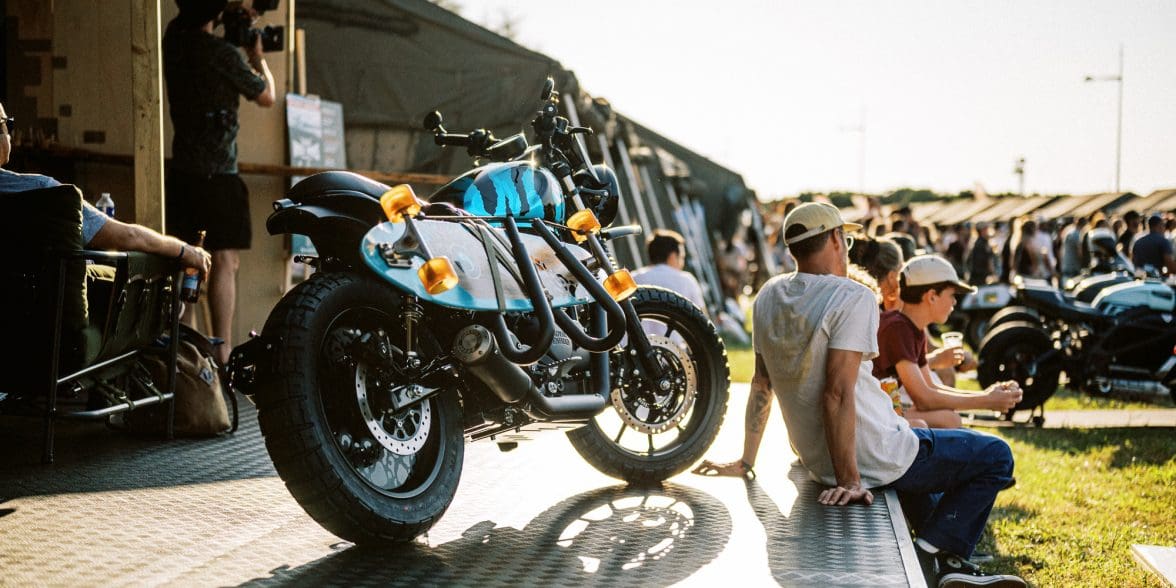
69 61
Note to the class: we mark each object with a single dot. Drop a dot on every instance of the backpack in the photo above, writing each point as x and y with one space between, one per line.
201 410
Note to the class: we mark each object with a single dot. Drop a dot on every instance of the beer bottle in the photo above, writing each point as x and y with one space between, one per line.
190 286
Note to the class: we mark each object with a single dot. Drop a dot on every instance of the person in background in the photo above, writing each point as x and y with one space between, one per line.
667 257
99 231
1071 257
881 258
1131 226
981 260
205 77
1153 250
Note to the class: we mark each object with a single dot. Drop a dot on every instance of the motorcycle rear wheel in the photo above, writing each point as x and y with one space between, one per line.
362 471
602 442
1010 352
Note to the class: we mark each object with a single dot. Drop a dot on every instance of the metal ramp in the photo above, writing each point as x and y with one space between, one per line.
124 510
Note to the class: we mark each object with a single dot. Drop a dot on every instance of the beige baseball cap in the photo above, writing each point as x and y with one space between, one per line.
815 218
926 270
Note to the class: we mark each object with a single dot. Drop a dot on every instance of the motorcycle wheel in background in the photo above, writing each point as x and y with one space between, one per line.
977 327
1011 314
363 471
1012 351
647 435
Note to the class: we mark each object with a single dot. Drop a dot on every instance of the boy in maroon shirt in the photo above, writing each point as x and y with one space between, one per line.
928 286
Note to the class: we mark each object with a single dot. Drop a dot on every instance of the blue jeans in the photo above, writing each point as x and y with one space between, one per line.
948 491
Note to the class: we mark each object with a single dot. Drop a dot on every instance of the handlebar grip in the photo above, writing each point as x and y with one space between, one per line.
451 139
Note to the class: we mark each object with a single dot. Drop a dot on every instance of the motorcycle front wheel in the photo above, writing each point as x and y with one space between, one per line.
363 470
648 434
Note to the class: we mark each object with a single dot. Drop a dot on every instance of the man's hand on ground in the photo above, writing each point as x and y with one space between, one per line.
842 495
734 469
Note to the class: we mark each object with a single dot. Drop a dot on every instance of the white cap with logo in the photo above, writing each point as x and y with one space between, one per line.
927 270
815 218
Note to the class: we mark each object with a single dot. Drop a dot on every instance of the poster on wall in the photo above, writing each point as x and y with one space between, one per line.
315 134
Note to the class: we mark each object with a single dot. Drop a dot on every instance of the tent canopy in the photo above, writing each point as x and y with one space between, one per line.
392 62
1158 201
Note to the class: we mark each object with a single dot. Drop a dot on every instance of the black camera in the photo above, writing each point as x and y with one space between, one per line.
239 28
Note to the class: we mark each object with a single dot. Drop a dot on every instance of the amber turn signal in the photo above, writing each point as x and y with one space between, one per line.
438 275
620 285
400 201
583 222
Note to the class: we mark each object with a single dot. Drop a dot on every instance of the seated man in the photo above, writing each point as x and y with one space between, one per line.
927 286
815 334
98 230
667 257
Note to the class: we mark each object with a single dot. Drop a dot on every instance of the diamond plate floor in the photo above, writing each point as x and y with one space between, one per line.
117 510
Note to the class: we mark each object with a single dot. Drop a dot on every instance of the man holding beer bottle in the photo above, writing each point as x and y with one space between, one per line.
98 230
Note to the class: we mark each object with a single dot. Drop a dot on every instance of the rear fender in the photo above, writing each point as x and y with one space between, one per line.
250 363
335 224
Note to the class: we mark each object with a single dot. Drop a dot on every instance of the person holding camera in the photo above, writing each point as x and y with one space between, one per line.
205 75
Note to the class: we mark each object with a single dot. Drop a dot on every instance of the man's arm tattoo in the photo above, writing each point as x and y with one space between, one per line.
759 406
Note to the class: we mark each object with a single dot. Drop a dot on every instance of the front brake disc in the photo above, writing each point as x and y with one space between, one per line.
650 410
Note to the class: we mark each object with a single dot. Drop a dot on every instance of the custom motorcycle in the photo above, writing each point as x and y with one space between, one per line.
1121 345
492 308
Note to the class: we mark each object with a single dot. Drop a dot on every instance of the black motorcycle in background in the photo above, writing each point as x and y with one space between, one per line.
490 309
1122 345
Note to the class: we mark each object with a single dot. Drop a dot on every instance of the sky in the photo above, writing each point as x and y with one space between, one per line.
951 93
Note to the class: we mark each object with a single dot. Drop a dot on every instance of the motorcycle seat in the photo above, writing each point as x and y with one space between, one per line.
336 181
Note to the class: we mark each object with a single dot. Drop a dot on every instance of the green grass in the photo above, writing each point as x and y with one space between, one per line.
1083 497
1065 399
742 362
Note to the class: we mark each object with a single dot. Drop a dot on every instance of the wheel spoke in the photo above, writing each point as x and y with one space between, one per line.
651 443
617 439
669 330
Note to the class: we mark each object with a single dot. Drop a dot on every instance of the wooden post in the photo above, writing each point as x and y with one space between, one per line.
300 59
147 109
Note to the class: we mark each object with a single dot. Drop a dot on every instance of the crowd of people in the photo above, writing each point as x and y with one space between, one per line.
1030 247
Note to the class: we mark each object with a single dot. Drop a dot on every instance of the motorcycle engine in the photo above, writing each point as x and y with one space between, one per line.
557 366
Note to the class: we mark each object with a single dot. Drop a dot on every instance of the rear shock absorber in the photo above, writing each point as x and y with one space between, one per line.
411 313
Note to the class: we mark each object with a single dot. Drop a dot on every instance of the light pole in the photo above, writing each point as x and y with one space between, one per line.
1019 169
860 129
1119 128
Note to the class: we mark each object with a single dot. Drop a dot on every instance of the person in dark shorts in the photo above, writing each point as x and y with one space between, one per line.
205 76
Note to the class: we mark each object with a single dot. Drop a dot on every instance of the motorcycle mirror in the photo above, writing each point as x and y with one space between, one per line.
548 88
433 121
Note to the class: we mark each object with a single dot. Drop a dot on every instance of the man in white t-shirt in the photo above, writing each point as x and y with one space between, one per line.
815 335
667 257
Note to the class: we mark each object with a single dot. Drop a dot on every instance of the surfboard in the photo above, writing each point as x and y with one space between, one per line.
475 289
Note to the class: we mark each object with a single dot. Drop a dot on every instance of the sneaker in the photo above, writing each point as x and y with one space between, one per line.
956 572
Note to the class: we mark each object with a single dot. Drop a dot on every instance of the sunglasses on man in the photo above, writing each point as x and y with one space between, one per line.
9 124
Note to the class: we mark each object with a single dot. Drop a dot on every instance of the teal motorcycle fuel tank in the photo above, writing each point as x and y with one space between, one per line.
518 188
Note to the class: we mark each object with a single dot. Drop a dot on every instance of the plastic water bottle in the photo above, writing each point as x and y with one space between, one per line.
106 204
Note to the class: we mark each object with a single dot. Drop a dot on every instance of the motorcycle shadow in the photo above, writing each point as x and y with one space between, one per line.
616 535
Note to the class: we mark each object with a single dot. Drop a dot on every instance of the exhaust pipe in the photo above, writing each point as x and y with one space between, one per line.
476 348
